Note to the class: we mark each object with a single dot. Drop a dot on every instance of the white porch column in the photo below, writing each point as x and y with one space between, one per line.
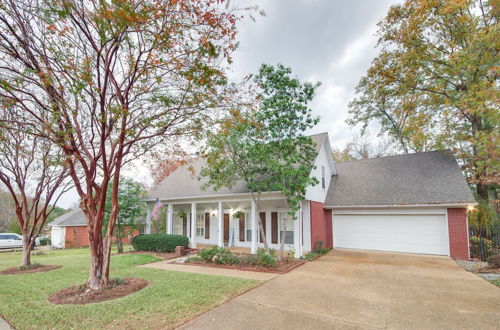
297 233
170 218
148 218
253 216
193 225
220 233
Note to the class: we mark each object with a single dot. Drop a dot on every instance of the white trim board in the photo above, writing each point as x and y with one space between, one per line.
459 205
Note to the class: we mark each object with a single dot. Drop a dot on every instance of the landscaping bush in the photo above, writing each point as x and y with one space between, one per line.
45 241
475 246
267 258
218 255
159 242
311 256
494 261
319 249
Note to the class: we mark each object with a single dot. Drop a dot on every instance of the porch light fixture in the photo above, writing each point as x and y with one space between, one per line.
471 208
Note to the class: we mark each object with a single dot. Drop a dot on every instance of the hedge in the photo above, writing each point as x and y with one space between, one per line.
159 242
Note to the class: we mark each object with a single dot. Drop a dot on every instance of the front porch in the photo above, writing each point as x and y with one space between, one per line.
233 223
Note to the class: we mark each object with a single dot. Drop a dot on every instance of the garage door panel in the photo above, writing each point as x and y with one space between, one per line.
400 233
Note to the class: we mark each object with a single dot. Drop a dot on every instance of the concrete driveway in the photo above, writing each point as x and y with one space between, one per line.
364 290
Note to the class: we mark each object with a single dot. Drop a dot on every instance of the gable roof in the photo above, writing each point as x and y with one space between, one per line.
411 179
319 140
71 218
184 183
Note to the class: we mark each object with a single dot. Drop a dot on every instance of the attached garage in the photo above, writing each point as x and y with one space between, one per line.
411 231
414 203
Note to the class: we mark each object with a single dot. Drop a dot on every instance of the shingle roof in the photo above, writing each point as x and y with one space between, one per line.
184 182
420 178
72 218
319 139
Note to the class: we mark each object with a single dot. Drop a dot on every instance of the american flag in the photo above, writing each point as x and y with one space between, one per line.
156 209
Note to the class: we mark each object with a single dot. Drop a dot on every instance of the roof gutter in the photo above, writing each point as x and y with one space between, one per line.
207 196
399 206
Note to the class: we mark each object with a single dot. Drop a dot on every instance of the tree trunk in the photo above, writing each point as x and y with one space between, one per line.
26 255
119 245
97 277
282 242
261 227
263 234
482 191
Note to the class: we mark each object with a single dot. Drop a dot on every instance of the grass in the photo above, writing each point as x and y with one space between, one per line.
171 298
496 282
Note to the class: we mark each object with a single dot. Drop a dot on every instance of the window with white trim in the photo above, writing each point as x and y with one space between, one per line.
248 227
323 177
286 224
178 225
200 225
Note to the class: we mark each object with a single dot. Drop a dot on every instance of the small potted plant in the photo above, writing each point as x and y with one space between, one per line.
182 214
238 214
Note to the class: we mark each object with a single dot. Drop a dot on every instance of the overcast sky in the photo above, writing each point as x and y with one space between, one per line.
330 41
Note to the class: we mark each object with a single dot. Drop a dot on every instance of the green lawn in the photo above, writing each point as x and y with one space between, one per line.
496 282
170 299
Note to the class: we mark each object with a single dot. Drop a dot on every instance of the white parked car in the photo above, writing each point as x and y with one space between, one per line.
10 241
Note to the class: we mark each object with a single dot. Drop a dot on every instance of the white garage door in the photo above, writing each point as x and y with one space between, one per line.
422 233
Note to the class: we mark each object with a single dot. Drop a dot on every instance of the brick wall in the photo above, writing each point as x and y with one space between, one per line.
76 236
458 233
321 225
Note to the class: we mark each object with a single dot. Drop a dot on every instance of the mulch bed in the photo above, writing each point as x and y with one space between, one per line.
160 255
489 270
80 295
16 270
280 268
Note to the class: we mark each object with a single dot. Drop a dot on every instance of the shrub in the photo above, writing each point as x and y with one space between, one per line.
311 256
218 255
45 241
494 261
475 245
266 258
159 242
249 259
32 266
209 253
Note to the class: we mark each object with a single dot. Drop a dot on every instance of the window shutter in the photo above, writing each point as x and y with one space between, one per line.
207 225
242 228
274 227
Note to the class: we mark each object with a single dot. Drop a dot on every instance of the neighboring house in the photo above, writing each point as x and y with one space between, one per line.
412 203
70 230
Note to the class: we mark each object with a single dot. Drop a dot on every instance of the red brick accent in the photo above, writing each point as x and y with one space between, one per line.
77 236
321 225
458 233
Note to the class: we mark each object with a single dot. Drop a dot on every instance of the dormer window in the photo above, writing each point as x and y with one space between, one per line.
323 179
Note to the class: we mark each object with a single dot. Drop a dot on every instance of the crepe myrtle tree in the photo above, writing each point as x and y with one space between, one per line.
264 146
108 81
35 174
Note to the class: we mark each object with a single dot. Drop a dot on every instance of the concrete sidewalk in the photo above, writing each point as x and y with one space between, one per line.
4 325
364 290
168 265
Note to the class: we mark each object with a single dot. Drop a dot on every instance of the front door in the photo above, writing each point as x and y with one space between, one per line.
226 228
